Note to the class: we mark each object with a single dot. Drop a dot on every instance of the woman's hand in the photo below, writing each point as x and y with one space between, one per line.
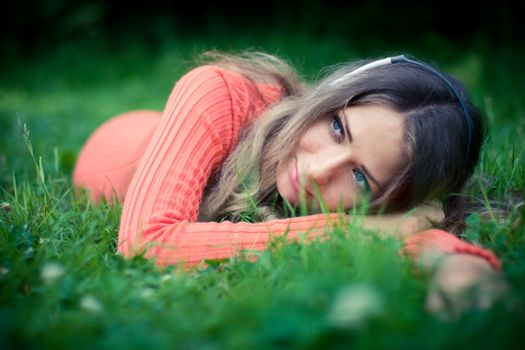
402 225
462 282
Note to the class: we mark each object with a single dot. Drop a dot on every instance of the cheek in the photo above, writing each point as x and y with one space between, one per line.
280 172
282 181
340 193
313 139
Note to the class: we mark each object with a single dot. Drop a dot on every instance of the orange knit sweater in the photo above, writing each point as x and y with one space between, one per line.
161 165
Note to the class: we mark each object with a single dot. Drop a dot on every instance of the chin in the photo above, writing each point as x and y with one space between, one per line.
291 196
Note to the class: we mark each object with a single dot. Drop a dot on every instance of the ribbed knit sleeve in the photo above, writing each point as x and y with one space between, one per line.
199 127
444 242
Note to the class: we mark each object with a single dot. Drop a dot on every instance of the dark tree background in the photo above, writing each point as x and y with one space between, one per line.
30 27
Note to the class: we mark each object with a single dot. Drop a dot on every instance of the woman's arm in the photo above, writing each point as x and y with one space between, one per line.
428 247
461 282
199 127
422 242
463 276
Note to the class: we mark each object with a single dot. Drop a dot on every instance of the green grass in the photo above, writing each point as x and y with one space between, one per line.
62 285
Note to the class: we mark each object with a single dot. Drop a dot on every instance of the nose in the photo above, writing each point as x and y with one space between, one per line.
322 169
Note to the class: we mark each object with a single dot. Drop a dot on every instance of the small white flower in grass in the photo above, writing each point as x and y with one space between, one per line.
146 293
354 305
5 207
29 251
52 272
166 278
3 271
91 304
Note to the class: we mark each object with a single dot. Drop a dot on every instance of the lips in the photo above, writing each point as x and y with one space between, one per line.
294 177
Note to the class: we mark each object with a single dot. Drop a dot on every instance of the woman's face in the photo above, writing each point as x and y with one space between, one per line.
355 151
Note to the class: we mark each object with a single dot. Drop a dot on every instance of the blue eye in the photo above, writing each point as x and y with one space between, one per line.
361 181
337 127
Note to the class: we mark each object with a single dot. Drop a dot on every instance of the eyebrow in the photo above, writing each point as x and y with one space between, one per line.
346 125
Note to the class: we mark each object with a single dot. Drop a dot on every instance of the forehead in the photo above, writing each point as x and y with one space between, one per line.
376 115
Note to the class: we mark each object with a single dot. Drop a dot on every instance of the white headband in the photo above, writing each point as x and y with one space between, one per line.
378 63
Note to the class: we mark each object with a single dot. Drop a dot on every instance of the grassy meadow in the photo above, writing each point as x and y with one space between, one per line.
62 285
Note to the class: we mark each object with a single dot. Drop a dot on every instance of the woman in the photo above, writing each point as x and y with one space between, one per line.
243 139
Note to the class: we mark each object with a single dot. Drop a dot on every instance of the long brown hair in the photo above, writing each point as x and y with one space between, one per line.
435 163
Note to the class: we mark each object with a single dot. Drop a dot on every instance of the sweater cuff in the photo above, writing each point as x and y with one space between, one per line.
444 242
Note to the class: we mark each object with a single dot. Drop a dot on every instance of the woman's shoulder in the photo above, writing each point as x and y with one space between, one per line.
214 77
215 71
209 83
204 73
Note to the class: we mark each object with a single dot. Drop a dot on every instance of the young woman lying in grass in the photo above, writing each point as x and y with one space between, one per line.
243 146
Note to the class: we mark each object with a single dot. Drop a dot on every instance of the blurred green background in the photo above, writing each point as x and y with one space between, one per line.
66 66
